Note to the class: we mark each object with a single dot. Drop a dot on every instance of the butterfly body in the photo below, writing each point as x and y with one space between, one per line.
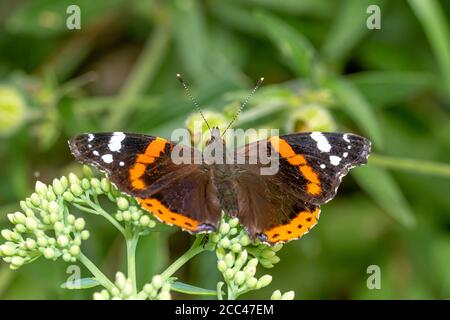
275 208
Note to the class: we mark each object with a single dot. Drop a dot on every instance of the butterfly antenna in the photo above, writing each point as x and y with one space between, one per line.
188 92
258 84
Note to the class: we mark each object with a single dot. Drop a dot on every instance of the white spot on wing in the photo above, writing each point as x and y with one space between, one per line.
115 143
121 163
323 166
89 145
346 138
107 158
345 154
322 142
95 152
335 160
349 147
90 137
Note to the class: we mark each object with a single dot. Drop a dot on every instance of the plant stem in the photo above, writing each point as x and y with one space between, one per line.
99 276
131 238
195 249
416 166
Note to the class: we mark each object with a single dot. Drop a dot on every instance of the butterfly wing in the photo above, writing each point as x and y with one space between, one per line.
142 166
285 205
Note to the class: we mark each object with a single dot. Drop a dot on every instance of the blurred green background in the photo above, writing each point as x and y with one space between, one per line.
323 68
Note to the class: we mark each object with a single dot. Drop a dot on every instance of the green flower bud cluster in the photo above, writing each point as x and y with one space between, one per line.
43 227
238 257
277 295
157 289
231 236
130 212
239 272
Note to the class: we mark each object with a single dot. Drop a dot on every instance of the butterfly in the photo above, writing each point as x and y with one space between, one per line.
273 208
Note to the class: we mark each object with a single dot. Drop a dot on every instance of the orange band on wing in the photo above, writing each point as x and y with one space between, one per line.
168 216
153 151
295 229
285 150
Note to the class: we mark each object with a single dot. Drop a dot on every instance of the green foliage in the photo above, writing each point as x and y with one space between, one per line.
323 70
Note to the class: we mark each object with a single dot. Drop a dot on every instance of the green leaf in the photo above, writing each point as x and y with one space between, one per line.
191 38
84 283
383 189
295 48
436 27
383 88
357 108
348 27
189 289
317 8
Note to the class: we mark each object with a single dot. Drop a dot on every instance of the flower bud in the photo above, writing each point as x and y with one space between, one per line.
76 190
71 219
57 187
229 274
276 295
236 247
68 196
63 240
148 288
288 295
51 195
64 182
144 220
7 234
264 281
35 199
85 234
73 179
31 223
240 277
58 226
67 257
105 185
224 243
157 281
120 280
18 217
17 261
79 224
244 240
7 250
30 244
23 205
87 171
95 183
221 266
74 250
252 263
126 215
53 207
251 282
49 253
229 260
20 228
233 222
122 203
85 184
267 253
40 188
224 228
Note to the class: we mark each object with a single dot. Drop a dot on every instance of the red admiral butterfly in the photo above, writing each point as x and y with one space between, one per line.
274 208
